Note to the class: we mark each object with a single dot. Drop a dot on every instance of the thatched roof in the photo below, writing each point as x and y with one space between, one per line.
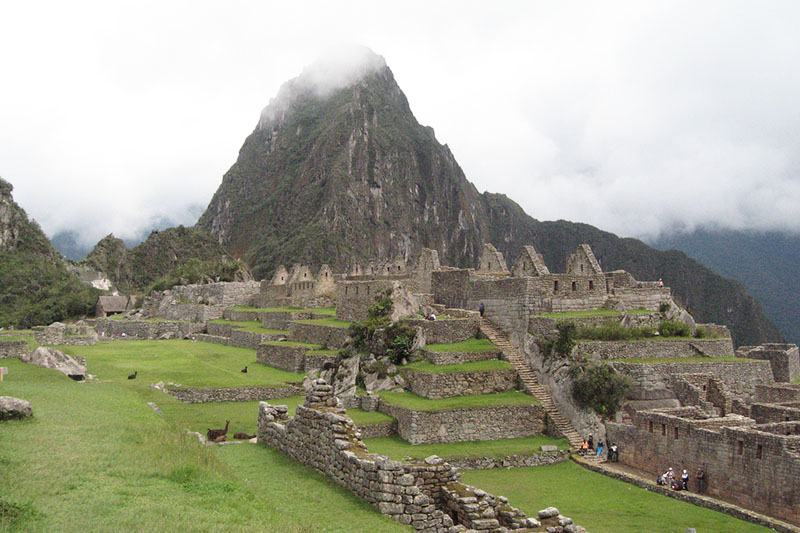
114 304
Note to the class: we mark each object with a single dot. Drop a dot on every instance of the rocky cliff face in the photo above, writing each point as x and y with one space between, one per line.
344 172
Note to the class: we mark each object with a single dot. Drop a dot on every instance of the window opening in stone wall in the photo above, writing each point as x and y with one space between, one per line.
555 286
650 426
591 285
345 289
398 268
573 285
663 429
740 447
759 451
581 268
367 289
356 289
676 433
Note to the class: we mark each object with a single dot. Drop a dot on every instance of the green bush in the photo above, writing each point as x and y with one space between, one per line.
399 340
674 328
701 333
362 334
600 388
663 308
567 335
615 331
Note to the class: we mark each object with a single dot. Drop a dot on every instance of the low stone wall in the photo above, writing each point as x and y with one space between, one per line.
446 331
315 360
240 394
767 413
191 312
321 436
377 431
778 393
238 315
784 359
219 329
510 461
285 357
248 339
283 319
147 330
13 349
460 425
211 338
457 358
741 378
329 336
450 384
644 349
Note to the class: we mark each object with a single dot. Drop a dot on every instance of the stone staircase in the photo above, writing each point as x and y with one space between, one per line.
530 382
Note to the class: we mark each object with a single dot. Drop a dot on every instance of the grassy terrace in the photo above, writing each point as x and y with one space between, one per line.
594 313
683 360
396 448
252 326
331 322
319 310
132 470
192 364
600 503
32 344
322 352
417 403
469 345
476 366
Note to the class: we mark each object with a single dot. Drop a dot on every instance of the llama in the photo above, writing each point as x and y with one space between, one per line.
244 370
244 436
133 376
213 434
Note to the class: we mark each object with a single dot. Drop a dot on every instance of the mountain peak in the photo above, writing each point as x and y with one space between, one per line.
340 67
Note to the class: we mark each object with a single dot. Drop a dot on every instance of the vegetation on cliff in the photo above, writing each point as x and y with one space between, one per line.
36 286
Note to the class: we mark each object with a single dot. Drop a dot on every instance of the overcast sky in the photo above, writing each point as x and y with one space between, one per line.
636 117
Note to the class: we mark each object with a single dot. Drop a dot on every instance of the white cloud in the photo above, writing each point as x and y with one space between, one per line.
631 116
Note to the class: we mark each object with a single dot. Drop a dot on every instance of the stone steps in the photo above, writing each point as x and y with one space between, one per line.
530 382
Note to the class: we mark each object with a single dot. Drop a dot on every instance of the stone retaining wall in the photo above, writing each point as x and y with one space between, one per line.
282 319
239 394
331 337
285 357
248 339
446 331
766 413
510 461
450 384
216 339
321 436
456 358
377 431
218 329
146 330
741 378
238 315
13 349
784 359
778 393
651 349
460 425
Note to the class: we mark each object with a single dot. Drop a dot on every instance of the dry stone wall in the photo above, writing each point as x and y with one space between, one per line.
446 331
767 413
13 349
332 337
240 394
455 358
510 461
451 384
778 393
783 358
292 357
647 349
147 330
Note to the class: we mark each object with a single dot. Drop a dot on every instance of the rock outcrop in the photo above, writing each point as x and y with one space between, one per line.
14 408
75 368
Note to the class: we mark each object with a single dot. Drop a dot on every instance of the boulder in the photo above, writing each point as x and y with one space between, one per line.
51 358
14 408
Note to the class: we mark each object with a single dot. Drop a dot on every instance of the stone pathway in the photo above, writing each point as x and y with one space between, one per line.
530 382
644 480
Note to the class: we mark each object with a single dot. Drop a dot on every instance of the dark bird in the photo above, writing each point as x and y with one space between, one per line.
244 370
214 434
133 376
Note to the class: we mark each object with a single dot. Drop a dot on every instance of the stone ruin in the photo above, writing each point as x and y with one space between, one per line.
427 495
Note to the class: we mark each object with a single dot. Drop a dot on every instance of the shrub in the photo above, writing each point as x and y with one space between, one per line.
600 388
567 333
701 333
399 340
674 328
608 331
363 333
663 308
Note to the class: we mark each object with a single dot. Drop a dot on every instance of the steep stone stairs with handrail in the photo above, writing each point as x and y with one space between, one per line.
530 382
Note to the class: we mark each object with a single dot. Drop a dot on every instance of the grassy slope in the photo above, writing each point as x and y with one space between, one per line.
112 464
599 503
192 364
396 448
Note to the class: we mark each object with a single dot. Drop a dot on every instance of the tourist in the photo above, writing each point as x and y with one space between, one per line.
613 453
599 447
481 309
685 480
591 442
660 283
700 479
584 449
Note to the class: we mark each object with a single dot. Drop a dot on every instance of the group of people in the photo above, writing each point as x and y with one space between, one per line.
587 447
669 479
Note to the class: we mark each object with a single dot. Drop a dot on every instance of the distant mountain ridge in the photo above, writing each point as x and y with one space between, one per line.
766 263
348 175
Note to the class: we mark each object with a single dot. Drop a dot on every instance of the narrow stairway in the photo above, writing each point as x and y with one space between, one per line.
530 382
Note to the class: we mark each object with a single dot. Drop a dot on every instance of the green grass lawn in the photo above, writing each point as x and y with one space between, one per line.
469 345
95 457
192 364
332 322
683 360
331 311
475 366
252 326
396 448
369 418
599 503
581 314
417 403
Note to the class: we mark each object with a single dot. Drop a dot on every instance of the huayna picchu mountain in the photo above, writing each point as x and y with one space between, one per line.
341 171
35 285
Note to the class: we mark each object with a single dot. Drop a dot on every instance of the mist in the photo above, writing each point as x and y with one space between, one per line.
635 117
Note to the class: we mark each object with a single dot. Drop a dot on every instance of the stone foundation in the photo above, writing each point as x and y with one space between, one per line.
451 384
13 349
